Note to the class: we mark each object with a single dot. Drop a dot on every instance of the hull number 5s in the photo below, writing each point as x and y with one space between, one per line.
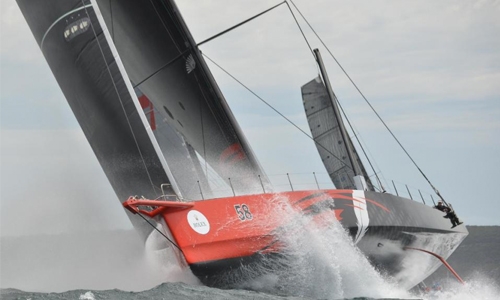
243 212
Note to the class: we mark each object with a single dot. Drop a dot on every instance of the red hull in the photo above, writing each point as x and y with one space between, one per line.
221 237
240 226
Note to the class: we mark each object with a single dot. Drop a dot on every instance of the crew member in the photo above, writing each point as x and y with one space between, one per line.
440 206
450 213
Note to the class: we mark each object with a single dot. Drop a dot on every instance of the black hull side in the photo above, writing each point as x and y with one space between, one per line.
408 224
234 272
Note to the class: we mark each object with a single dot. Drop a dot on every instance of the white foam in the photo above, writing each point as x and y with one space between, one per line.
324 263
165 261
476 287
87 296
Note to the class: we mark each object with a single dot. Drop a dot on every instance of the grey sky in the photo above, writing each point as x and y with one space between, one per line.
431 69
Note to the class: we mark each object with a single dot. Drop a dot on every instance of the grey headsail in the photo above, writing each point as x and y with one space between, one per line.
163 61
326 131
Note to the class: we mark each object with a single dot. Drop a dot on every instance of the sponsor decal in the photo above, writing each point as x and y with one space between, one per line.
243 212
198 222
76 28
232 154
190 64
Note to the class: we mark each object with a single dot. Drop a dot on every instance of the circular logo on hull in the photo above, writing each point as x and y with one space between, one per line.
198 222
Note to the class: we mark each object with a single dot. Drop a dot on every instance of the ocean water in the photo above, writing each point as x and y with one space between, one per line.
28 271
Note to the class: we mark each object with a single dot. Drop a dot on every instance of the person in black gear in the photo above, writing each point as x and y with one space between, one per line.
440 206
450 213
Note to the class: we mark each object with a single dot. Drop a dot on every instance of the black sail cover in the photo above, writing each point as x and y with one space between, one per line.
156 55
326 133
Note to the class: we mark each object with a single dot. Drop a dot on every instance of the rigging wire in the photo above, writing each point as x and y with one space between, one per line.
239 24
251 91
202 125
204 142
301 31
341 108
155 228
165 25
274 109
361 146
119 97
368 102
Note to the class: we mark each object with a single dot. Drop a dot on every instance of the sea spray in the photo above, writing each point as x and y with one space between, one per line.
477 286
87 296
419 264
478 250
318 260
165 261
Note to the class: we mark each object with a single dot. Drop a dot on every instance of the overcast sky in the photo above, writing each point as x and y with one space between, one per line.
430 68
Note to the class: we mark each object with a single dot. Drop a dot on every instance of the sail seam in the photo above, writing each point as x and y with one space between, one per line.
318 111
325 132
163 67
